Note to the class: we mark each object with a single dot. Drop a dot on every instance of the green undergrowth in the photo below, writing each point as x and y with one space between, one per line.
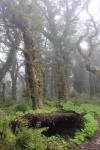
28 139
86 108
90 127
22 107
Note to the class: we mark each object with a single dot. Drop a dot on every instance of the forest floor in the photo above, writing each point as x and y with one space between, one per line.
34 139
90 144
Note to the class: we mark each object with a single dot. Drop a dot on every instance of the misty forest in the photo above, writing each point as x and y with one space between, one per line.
49 74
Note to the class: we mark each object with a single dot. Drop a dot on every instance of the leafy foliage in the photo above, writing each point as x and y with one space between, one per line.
90 127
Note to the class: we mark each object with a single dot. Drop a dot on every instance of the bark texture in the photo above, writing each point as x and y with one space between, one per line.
31 70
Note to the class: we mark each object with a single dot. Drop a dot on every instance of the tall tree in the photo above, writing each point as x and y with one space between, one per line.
12 43
20 15
59 32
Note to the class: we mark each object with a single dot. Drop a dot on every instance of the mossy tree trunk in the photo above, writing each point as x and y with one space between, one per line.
34 83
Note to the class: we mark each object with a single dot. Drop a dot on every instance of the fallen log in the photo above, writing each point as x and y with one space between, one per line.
60 122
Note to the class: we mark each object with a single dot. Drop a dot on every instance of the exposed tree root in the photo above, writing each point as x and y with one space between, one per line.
61 122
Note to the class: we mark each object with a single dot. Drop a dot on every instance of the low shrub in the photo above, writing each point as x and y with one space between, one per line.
27 139
21 107
90 127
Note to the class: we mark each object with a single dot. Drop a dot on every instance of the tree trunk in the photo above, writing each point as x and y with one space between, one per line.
14 90
27 89
3 92
33 80
8 63
60 73
14 75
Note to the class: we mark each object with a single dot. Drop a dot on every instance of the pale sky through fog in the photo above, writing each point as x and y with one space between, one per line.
94 10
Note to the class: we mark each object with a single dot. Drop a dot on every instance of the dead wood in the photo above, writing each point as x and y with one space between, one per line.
60 122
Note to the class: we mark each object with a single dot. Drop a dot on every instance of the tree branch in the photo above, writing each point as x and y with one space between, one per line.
48 35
